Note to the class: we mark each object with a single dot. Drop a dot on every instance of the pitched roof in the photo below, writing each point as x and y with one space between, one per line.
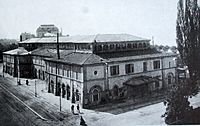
18 51
49 52
87 38
79 58
137 57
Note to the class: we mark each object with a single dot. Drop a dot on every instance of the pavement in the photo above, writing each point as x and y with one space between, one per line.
48 113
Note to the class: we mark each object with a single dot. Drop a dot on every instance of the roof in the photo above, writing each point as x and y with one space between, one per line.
18 51
138 57
87 39
135 81
78 58
49 52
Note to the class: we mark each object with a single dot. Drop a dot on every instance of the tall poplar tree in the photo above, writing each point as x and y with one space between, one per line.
188 43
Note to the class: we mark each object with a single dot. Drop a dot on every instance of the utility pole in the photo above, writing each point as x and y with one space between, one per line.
35 89
60 96
58 86
3 68
18 70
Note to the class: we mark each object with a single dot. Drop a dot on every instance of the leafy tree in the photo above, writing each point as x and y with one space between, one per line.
188 42
177 103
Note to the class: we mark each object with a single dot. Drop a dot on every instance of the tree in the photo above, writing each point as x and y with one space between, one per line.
188 44
178 105
187 36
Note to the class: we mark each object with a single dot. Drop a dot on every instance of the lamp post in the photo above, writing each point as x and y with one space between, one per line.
60 96
18 70
35 89
3 69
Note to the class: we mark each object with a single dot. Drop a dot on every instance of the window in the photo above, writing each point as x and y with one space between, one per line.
105 47
118 46
51 69
114 70
144 66
169 64
169 78
95 95
134 45
67 73
112 46
129 68
129 45
99 48
156 64
63 72
95 72
77 75
140 45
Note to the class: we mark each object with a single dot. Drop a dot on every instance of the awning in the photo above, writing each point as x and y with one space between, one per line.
140 80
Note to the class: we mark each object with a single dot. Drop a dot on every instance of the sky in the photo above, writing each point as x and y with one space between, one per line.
143 18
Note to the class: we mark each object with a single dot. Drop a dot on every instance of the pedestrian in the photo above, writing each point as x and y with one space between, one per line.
72 109
78 108
82 122
27 82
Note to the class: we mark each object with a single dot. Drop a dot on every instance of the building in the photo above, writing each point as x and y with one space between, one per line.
38 56
18 63
25 36
49 30
93 80
95 69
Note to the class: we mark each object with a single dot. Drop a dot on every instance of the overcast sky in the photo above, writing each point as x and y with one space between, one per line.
144 18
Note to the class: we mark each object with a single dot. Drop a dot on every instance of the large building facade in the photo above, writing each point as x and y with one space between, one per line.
95 69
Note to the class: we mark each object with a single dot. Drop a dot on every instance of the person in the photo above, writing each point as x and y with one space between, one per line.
72 109
82 122
27 82
78 108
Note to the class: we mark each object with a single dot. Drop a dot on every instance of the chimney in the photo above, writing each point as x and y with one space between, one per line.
58 52
20 38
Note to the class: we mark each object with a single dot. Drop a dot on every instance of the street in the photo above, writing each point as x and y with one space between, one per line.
14 112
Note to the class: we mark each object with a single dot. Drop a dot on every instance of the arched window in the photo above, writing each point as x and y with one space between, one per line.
144 45
105 47
140 45
99 48
129 45
115 90
95 95
68 92
117 46
134 45
112 46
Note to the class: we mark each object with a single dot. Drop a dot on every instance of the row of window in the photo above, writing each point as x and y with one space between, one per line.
106 47
65 73
129 68
63 46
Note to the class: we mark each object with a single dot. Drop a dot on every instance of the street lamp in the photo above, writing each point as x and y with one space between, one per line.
35 89
18 70
3 69
60 96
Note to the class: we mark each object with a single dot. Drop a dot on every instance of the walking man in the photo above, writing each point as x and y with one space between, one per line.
78 108
72 109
